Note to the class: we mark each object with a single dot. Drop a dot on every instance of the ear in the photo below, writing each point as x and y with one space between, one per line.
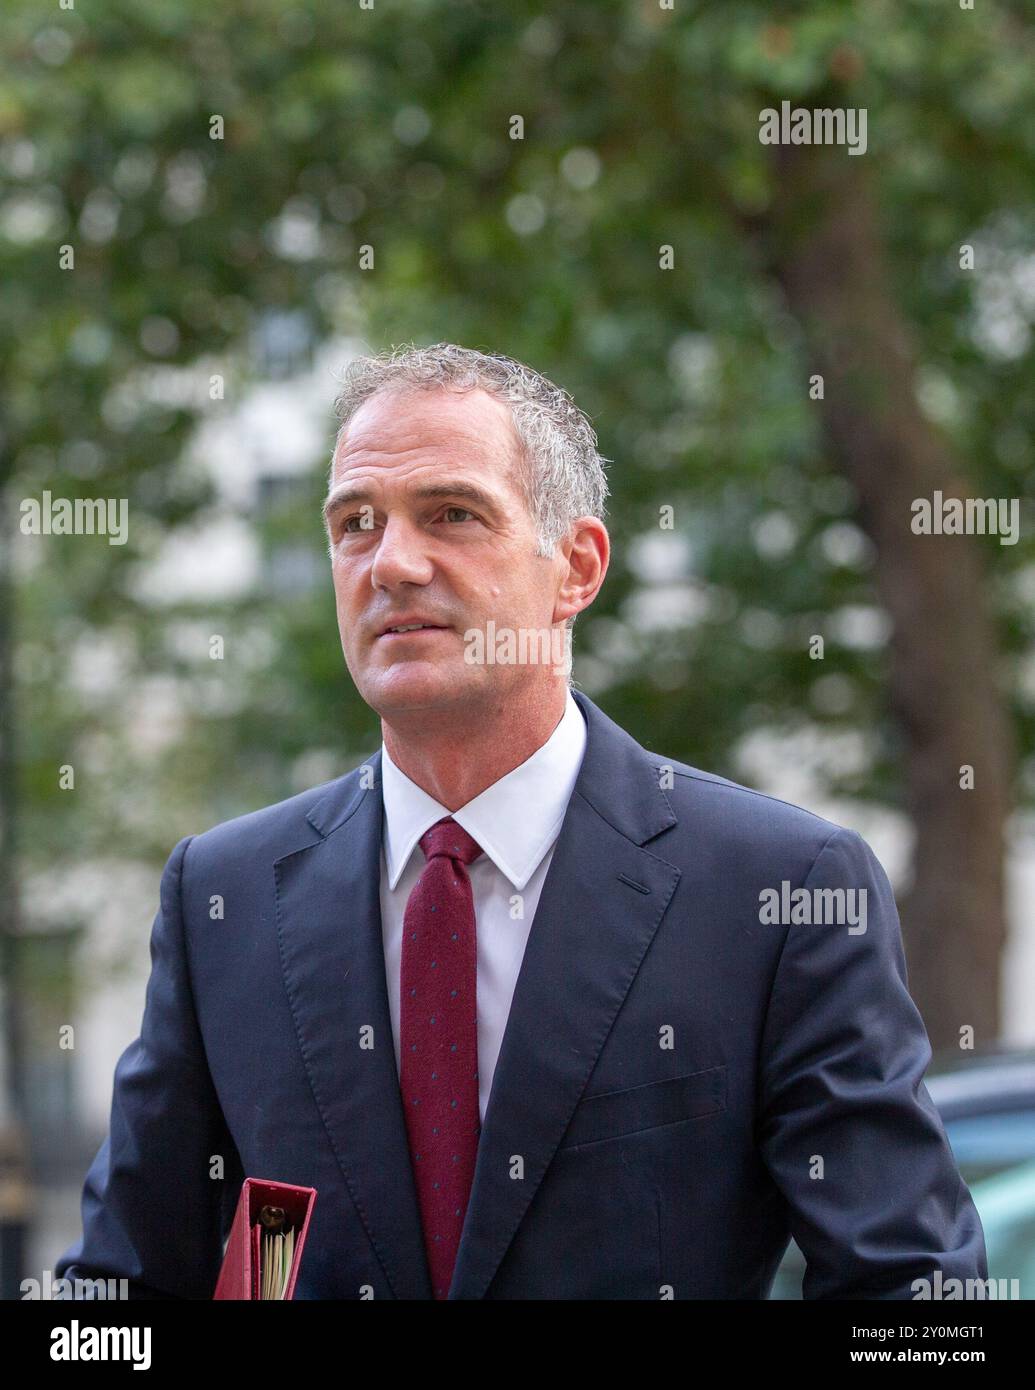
587 551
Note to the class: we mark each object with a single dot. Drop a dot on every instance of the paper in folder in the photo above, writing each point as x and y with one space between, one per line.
264 1250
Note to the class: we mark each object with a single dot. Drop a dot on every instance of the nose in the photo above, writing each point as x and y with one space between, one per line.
401 556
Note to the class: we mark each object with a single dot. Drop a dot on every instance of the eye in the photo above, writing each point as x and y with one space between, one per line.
347 526
457 509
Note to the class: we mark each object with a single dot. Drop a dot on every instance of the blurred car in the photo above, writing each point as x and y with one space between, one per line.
987 1104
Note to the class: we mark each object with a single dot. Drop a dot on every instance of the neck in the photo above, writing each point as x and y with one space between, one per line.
455 764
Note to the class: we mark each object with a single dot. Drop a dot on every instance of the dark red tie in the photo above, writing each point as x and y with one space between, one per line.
438 1039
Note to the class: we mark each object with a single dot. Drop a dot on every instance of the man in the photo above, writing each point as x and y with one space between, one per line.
538 1012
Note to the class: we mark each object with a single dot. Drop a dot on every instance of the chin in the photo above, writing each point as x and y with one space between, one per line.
397 690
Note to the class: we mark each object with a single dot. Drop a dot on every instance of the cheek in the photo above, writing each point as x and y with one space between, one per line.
348 613
346 585
341 598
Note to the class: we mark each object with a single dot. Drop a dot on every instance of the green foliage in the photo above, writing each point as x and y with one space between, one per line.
391 128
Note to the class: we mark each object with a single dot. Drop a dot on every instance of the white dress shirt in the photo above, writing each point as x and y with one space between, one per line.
516 821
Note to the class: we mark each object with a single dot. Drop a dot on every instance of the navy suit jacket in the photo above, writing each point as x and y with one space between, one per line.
681 1085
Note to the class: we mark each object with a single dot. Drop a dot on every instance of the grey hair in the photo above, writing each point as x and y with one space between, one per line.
561 474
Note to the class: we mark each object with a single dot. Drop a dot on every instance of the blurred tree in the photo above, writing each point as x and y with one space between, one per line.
394 129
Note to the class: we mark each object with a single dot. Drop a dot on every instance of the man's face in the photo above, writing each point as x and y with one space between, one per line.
427 523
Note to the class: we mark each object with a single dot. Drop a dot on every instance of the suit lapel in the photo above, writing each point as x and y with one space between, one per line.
601 904
332 952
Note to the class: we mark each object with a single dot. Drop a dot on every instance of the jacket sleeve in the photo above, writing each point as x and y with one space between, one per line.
847 1127
151 1211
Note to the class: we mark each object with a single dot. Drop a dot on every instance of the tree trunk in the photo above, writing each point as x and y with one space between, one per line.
823 244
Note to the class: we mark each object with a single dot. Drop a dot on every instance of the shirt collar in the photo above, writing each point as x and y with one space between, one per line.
515 820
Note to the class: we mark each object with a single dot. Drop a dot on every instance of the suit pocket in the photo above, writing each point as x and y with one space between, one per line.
614 1113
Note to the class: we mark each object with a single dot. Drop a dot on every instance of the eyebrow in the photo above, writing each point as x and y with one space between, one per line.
347 496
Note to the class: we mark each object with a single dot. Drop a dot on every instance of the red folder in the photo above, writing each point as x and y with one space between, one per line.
239 1276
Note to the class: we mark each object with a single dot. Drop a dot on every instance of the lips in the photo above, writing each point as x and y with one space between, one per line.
409 625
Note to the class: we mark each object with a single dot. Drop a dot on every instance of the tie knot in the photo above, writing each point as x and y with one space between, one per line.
449 838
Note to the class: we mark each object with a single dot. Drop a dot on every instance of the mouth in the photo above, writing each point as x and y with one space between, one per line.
410 630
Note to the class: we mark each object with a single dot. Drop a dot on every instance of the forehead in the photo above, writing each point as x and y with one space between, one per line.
400 426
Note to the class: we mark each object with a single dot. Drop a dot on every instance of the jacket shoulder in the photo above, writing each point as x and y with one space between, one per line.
737 812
